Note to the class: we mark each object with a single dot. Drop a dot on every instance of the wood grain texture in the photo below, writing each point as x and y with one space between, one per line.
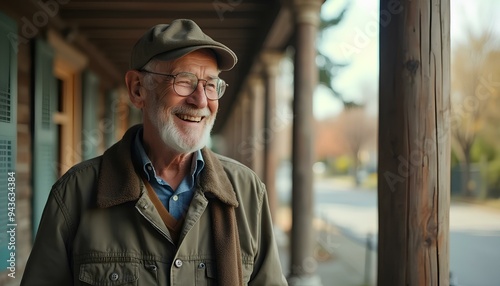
414 144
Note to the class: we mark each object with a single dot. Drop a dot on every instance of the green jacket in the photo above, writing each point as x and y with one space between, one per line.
99 227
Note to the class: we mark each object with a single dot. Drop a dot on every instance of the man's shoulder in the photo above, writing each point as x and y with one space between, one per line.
229 161
83 170
234 165
240 173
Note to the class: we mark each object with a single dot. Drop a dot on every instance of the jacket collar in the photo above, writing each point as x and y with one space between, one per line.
119 181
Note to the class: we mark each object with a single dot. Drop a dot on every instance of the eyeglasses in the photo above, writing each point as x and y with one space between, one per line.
185 83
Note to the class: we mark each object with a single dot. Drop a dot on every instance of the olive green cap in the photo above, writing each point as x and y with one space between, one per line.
171 41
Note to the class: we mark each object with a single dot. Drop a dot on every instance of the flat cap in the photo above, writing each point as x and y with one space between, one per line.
174 40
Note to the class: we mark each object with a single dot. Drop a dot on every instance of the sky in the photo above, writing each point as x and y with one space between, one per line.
355 41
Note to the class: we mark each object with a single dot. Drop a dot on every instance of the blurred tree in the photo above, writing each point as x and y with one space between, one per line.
472 93
490 87
328 68
358 130
490 134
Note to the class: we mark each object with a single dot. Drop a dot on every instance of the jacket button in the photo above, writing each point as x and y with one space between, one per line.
201 265
113 276
178 263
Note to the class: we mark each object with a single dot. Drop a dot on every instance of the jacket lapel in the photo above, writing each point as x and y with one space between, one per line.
118 182
213 180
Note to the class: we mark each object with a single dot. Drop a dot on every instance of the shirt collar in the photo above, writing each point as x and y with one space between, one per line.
118 183
197 164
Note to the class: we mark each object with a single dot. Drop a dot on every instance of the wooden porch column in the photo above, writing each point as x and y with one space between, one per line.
246 126
253 146
230 136
414 143
303 265
270 62
238 130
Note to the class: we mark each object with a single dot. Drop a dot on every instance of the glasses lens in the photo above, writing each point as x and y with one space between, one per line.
221 87
185 83
212 89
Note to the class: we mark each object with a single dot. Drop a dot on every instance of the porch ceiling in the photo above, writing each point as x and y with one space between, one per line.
246 26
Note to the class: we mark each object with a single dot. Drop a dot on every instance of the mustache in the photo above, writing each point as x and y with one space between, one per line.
185 109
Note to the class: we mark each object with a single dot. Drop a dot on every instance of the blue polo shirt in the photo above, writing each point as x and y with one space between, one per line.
175 201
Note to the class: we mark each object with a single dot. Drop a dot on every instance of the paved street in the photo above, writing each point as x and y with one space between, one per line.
474 230
474 233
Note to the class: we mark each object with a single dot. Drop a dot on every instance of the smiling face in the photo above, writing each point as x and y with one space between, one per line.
182 123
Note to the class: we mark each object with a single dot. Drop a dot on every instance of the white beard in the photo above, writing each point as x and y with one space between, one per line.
183 141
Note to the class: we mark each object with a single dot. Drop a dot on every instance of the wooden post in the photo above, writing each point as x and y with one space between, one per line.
270 63
253 146
303 265
414 143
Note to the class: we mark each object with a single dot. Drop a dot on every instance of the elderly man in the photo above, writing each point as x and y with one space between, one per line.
158 207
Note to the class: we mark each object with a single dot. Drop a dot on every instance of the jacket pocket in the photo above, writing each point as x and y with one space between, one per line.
109 273
205 273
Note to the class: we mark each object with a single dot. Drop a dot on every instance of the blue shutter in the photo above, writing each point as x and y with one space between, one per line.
8 123
91 135
45 159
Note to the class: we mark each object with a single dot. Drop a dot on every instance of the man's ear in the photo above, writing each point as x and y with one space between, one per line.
133 79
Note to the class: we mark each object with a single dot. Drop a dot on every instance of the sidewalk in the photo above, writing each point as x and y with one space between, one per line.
339 260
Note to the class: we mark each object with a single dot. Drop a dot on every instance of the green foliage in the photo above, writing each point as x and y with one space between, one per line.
481 148
483 151
352 105
493 178
342 164
328 69
327 72
338 165
455 161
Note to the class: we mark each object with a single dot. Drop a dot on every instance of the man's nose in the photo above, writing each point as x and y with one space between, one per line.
198 98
